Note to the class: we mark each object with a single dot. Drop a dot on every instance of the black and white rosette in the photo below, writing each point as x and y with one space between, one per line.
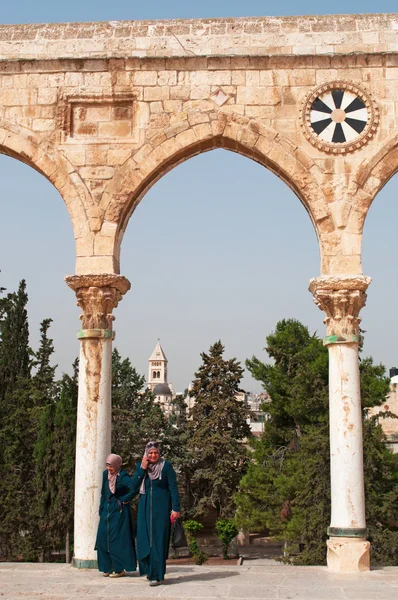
339 117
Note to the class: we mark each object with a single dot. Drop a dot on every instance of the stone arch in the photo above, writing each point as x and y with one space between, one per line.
181 141
371 176
22 144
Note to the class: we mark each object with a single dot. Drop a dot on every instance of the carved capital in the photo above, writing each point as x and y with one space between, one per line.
341 298
97 296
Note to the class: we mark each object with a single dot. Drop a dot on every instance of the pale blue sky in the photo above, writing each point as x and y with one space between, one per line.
218 248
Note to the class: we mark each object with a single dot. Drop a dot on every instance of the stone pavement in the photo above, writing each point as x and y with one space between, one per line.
249 581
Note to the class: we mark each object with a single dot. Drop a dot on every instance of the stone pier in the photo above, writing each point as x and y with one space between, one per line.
342 298
97 296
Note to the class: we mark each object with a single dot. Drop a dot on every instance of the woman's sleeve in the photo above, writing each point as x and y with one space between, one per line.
127 481
137 478
173 488
102 500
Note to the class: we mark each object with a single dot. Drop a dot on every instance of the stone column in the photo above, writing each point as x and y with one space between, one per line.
342 299
97 296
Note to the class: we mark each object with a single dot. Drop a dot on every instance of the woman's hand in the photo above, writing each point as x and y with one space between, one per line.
144 462
175 515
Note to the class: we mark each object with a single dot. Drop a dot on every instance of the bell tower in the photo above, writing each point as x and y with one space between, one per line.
157 372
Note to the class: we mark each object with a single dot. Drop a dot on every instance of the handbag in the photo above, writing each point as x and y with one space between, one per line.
178 539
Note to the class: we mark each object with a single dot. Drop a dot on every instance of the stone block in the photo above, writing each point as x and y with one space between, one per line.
97 172
47 95
114 129
348 555
96 156
269 96
92 265
147 78
17 97
180 92
153 94
186 138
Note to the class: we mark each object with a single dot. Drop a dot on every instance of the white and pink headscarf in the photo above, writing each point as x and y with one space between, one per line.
154 471
116 462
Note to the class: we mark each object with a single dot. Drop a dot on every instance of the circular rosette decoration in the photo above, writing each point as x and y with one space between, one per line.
339 117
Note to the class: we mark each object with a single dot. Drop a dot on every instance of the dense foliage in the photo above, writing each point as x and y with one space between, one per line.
37 439
287 486
217 429
283 483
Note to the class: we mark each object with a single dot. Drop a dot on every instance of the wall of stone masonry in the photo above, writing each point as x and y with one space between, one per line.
203 37
105 127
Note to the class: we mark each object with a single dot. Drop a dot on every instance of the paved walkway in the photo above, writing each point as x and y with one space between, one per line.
249 581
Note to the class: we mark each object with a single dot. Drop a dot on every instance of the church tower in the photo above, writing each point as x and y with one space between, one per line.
157 379
157 367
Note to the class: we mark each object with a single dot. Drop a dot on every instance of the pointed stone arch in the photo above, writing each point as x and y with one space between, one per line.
371 176
24 145
230 131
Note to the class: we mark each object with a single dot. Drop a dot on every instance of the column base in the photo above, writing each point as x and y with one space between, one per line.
348 555
80 563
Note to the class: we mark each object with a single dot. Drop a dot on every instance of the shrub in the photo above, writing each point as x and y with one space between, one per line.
191 528
226 532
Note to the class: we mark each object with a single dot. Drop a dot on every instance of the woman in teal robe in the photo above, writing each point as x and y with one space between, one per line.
156 482
115 536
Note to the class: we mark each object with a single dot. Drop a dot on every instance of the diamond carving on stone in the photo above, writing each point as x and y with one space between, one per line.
219 97
339 117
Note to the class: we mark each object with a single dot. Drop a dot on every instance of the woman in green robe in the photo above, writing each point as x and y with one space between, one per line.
115 536
159 501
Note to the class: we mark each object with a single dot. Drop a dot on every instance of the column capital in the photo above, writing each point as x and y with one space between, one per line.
341 298
97 296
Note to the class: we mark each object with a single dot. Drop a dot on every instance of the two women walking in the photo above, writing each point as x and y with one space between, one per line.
156 483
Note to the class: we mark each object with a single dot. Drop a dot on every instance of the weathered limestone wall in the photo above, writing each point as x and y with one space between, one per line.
105 109
107 129
203 37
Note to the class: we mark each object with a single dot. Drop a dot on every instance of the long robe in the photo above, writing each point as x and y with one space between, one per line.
153 522
115 536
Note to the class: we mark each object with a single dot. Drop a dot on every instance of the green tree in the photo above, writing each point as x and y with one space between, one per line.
55 466
217 431
287 486
15 353
176 449
15 421
136 418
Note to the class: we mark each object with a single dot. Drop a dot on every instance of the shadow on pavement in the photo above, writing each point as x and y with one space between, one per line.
200 577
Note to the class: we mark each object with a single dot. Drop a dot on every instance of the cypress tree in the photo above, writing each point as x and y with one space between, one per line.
15 420
55 466
15 353
217 431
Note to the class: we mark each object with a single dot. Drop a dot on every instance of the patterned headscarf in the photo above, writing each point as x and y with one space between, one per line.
154 471
116 462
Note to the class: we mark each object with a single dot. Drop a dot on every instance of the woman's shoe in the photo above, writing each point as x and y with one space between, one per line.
154 583
106 574
120 574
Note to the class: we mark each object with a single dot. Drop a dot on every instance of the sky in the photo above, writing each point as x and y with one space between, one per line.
219 248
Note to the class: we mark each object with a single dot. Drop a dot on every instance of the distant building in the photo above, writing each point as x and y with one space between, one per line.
389 424
164 392
157 379
258 415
